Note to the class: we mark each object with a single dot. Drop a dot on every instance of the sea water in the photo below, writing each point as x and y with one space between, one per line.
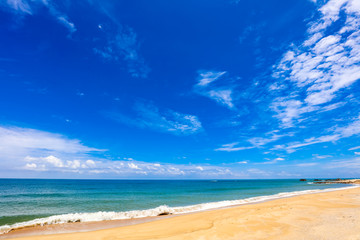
31 202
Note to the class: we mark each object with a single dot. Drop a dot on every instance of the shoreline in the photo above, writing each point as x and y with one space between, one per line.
88 227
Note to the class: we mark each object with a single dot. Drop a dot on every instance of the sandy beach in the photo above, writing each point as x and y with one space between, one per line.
330 215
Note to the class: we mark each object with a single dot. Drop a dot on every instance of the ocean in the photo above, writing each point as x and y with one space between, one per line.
30 202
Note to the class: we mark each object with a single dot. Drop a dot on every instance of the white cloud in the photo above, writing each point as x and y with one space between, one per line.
133 166
323 65
29 152
40 150
222 96
53 163
149 116
204 87
31 166
90 163
75 164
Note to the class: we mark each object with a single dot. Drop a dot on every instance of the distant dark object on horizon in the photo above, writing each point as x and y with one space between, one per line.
303 180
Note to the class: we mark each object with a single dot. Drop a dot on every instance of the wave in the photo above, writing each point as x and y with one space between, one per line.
161 210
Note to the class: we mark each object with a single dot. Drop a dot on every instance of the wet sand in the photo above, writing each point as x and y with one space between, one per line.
330 215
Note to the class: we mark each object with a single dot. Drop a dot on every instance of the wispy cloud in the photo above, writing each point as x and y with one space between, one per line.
30 6
321 156
243 162
166 120
118 44
337 133
256 142
222 94
271 136
232 147
289 109
20 6
306 164
259 172
276 160
323 65
207 77
349 163
121 45
354 148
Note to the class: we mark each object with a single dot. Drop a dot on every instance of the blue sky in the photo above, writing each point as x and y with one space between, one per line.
179 89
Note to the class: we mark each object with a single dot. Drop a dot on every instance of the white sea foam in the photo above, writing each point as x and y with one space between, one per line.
161 210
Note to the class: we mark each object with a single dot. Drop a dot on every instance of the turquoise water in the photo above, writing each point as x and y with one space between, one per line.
27 199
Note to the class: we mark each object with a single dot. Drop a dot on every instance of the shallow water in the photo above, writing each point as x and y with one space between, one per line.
24 200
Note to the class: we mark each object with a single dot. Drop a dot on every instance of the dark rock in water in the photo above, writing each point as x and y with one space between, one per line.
317 180
303 180
164 213
338 181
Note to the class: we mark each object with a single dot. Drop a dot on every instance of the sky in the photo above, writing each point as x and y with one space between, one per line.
219 89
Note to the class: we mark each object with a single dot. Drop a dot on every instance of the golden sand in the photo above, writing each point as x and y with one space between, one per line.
331 215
